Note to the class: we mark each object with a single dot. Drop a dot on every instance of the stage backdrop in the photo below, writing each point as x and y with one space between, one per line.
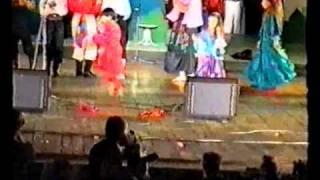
154 11
290 6
295 17
150 12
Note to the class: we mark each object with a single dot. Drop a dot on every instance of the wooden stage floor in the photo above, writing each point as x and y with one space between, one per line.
274 124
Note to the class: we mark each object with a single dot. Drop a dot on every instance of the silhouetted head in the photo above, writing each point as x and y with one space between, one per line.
62 169
269 168
299 169
115 128
16 122
211 163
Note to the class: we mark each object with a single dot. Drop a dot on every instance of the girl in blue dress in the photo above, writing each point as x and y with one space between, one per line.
271 66
209 45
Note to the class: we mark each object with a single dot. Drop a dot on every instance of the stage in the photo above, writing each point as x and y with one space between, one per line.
274 124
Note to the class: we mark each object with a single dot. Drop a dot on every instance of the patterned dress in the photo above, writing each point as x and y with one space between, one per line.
271 66
192 10
209 52
110 50
84 26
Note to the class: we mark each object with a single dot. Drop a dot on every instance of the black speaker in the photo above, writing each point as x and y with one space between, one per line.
30 90
211 99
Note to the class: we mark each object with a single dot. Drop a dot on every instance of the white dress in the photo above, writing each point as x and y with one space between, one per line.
121 7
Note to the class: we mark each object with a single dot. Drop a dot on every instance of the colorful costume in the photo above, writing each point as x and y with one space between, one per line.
83 28
271 66
192 10
209 52
189 14
151 13
212 6
123 9
110 52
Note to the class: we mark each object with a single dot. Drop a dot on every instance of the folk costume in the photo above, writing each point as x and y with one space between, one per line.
123 9
271 67
188 13
110 64
83 28
209 53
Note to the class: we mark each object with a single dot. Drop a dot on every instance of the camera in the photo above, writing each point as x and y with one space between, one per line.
136 163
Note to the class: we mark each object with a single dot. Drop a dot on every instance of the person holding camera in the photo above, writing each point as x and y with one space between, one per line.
54 11
137 160
105 157
211 162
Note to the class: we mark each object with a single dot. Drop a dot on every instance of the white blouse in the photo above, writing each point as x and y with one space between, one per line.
192 17
121 7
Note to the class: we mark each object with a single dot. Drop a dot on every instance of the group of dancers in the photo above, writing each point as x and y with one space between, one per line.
100 33
98 26
270 67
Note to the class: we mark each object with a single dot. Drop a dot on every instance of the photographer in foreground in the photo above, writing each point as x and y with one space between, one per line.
106 157
137 160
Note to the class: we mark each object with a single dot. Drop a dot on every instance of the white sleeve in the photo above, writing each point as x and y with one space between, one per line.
126 10
41 7
221 44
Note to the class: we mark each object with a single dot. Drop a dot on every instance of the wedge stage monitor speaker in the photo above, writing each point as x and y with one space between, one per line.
211 99
30 90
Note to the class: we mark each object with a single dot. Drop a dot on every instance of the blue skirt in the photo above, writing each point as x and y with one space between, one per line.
270 69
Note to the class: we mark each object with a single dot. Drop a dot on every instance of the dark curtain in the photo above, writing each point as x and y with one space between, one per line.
253 13
313 84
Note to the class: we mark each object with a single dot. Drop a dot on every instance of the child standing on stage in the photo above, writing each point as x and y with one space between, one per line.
209 45
271 66
108 38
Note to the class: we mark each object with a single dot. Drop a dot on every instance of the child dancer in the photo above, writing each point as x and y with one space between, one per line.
209 45
110 50
271 66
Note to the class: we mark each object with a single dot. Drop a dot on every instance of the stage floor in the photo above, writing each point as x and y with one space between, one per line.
275 124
